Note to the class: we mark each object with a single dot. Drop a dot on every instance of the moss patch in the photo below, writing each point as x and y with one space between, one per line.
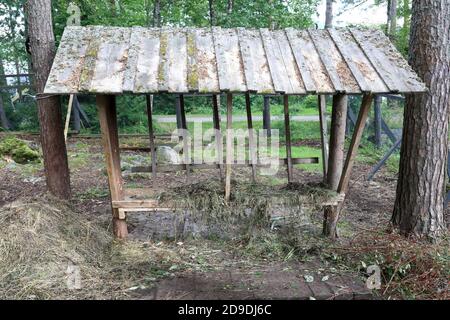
18 150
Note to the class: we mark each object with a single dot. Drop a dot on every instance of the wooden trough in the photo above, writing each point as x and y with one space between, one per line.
108 61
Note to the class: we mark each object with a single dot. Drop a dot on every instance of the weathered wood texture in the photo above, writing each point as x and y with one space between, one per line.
323 134
106 105
337 141
110 60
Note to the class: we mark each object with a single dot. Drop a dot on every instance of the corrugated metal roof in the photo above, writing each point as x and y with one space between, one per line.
117 60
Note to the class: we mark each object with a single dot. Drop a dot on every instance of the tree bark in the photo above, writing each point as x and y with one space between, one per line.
337 141
3 119
157 14
211 13
392 19
42 45
230 7
329 14
418 209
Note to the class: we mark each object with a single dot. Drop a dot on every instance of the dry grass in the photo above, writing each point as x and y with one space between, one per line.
42 237
254 201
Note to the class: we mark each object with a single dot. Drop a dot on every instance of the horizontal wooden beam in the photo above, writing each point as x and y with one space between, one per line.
179 167
131 204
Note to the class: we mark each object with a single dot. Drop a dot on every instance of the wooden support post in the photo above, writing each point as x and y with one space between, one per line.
229 151
266 116
354 144
287 130
377 120
323 134
76 115
186 151
178 112
251 138
69 112
106 105
332 212
149 100
337 141
218 134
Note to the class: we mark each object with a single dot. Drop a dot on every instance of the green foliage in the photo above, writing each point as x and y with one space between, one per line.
18 150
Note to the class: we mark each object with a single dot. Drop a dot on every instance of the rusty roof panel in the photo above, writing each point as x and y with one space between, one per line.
139 60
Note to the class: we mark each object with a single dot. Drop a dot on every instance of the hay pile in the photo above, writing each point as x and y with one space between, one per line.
256 203
42 243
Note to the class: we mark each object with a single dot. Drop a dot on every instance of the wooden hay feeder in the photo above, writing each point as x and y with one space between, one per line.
108 61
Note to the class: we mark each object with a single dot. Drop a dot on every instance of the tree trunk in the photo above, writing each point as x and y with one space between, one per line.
392 19
211 13
157 14
337 141
42 45
3 119
230 6
329 14
422 177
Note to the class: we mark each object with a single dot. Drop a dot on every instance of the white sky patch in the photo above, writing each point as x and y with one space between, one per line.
366 14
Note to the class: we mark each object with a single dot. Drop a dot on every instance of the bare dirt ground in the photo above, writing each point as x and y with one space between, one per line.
217 266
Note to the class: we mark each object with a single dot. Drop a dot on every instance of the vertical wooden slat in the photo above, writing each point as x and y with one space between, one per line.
106 105
229 152
377 120
266 116
251 138
288 138
354 144
186 150
229 61
149 99
256 69
323 134
218 134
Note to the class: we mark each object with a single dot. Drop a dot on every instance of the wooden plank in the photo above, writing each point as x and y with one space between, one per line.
218 134
338 71
172 74
69 111
149 100
256 70
145 42
323 134
111 61
277 68
292 70
251 138
128 204
65 73
108 123
229 63
186 151
129 75
207 76
90 58
192 63
361 68
354 144
388 62
209 166
229 150
288 138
